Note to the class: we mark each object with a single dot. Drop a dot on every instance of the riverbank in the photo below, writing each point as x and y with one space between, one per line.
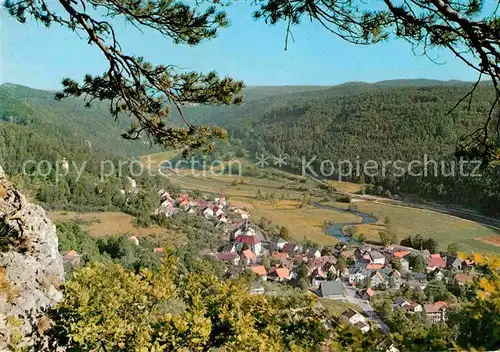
336 230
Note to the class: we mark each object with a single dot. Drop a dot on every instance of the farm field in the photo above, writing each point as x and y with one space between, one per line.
114 223
343 186
444 228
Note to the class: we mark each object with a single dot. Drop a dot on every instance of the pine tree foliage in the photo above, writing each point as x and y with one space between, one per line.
132 85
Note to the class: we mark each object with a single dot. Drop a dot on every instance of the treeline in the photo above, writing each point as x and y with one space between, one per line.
35 163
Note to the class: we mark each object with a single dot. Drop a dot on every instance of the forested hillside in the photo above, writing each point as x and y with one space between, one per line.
390 120
68 118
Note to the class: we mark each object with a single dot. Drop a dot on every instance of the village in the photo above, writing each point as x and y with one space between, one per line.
355 273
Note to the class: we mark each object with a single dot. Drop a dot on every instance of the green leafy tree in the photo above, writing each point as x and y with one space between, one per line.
284 233
303 276
385 238
418 263
452 249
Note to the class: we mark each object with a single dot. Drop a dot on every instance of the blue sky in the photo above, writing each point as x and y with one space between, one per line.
252 51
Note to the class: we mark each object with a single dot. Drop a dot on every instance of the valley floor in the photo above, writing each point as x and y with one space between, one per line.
308 222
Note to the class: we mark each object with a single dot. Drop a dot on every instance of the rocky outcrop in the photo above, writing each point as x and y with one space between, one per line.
31 267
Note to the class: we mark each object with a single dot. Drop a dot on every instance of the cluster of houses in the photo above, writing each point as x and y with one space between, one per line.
366 268
373 267
210 209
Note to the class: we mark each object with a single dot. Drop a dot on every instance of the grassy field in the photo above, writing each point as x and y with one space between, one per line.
115 223
444 228
337 307
345 186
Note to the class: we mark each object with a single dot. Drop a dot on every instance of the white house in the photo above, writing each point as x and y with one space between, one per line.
221 201
165 209
358 275
252 242
377 258
223 219
218 211
277 243
356 319
208 212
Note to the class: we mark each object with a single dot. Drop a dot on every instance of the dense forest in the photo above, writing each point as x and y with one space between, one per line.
387 121
69 118
37 136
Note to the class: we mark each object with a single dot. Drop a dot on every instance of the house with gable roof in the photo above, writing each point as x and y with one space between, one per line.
376 279
332 289
357 275
436 312
252 242
248 257
260 270
72 257
279 274
291 248
435 262
356 319
230 257
277 243
453 262
377 258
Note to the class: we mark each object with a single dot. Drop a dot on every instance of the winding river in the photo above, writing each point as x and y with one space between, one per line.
335 230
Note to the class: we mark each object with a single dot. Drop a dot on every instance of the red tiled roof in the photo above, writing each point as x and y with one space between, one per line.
436 262
374 266
277 255
259 270
227 256
247 253
464 278
435 255
440 303
401 254
280 272
247 239
70 255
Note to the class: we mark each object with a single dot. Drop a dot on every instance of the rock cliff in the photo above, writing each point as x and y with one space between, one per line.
31 267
